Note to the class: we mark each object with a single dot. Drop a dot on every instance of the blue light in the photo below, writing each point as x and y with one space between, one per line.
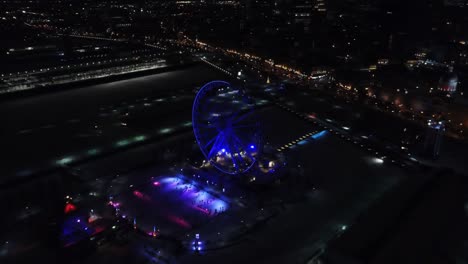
319 135
216 138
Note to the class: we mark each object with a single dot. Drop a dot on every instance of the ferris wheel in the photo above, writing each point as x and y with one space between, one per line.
225 127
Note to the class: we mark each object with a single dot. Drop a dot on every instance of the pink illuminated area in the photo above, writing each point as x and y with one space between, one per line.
170 204
114 204
141 195
152 234
180 221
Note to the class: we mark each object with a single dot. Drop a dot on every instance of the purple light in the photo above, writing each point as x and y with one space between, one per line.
156 183
192 196
78 220
114 204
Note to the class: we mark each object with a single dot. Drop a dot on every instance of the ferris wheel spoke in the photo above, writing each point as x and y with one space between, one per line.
210 142
215 148
245 150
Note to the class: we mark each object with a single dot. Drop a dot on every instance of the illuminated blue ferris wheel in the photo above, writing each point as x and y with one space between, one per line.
225 127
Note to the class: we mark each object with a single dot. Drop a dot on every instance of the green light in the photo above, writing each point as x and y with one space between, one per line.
187 124
165 130
93 152
65 160
123 143
140 138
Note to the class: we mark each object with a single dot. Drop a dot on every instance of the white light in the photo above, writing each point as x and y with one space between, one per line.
378 161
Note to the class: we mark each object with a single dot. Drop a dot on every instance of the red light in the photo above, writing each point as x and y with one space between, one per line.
141 195
180 221
69 208
138 194
206 211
